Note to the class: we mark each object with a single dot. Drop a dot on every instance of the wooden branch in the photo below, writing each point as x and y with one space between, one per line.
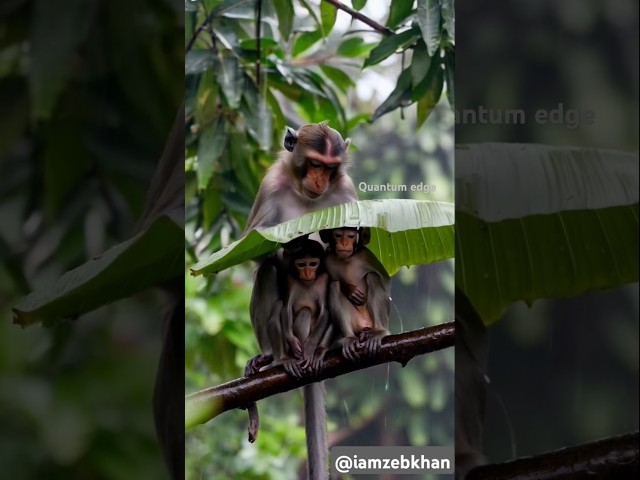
202 406
363 18
610 458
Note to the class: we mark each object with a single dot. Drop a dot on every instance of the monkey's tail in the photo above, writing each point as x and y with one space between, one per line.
316 427
254 422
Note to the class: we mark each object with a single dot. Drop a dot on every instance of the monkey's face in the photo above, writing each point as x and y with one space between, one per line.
319 170
307 268
345 242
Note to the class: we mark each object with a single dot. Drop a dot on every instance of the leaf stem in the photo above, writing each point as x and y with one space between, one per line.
363 18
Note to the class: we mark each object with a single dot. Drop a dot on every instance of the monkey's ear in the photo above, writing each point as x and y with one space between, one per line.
290 139
347 142
365 236
326 236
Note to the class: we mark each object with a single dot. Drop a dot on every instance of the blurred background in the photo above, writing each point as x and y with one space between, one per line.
88 92
563 372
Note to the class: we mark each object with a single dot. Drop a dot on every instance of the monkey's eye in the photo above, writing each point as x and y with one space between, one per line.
337 235
315 163
300 265
331 168
313 264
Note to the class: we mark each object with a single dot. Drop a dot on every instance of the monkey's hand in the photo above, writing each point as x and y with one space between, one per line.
294 346
350 347
371 340
354 294
256 363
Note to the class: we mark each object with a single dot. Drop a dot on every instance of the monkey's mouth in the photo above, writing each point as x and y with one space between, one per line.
311 194
343 252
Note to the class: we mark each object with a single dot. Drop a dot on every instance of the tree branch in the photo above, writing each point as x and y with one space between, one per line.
202 406
363 18
610 458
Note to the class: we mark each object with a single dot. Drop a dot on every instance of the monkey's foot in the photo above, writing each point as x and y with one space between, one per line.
312 364
257 363
292 367
371 341
351 348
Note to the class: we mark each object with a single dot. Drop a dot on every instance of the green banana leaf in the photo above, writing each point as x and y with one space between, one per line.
151 257
403 233
537 221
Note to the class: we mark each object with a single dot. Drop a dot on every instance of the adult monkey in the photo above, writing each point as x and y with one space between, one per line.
309 174
359 300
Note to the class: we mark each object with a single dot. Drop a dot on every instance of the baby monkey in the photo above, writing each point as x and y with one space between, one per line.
359 300
306 327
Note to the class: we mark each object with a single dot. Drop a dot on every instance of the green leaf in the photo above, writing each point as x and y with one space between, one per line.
431 85
358 4
328 15
284 10
332 99
338 77
354 47
399 11
229 5
420 63
198 61
231 81
448 18
429 21
428 93
212 138
150 258
450 74
400 97
212 205
56 34
403 232
537 221
305 41
389 45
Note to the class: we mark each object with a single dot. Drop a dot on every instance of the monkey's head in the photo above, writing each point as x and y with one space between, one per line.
318 157
344 242
307 260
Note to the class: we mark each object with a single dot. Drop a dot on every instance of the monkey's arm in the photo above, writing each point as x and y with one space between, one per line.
379 306
316 345
340 310
264 297
291 342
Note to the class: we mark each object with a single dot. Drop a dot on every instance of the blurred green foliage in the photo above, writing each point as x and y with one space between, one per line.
88 92
562 372
315 65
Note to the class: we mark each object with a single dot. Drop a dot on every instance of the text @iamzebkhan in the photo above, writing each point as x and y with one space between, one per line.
396 187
